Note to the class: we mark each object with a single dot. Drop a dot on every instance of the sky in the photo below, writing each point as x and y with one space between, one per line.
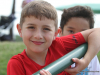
6 6
64 2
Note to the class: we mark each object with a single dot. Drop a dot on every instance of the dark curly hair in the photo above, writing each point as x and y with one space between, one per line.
77 11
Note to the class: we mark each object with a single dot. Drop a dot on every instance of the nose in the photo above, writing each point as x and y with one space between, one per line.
38 34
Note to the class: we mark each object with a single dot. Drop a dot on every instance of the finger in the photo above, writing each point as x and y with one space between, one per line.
43 72
76 60
48 73
71 70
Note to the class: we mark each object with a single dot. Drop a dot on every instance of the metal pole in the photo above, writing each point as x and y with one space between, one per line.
65 61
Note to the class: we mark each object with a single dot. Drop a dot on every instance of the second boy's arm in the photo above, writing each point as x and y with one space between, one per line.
92 36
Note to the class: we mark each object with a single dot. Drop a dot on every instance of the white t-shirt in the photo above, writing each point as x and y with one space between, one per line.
92 69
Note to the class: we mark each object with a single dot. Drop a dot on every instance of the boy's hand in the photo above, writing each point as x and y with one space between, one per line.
80 64
43 72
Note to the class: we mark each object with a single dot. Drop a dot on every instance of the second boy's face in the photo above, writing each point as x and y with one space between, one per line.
37 34
74 25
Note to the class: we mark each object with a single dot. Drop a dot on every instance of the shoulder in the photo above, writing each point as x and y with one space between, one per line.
15 66
16 62
17 59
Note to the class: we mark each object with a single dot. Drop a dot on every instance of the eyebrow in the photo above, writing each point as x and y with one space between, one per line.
70 27
30 24
84 29
35 24
47 25
74 28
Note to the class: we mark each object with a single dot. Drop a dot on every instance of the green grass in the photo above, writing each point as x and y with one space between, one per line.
8 49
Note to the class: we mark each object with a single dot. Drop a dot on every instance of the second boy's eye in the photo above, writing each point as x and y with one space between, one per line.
46 29
71 31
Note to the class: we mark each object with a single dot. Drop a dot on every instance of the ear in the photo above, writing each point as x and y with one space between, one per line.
56 33
60 31
19 30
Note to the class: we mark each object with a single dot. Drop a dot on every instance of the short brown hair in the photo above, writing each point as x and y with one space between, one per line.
39 9
77 11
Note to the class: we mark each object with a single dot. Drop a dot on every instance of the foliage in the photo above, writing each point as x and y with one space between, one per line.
7 50
18 38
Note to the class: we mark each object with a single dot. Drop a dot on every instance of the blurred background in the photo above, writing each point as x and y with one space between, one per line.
10 10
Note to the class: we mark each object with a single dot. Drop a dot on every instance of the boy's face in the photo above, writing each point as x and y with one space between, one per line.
74 25
37 34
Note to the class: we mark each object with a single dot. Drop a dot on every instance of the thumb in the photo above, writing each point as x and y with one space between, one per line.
75 60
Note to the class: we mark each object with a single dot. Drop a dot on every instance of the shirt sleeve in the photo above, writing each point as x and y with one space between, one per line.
14 67
72 41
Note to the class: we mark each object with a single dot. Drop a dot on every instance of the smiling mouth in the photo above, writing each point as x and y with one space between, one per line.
37 42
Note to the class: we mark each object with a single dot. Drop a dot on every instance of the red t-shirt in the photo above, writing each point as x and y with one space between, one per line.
22 65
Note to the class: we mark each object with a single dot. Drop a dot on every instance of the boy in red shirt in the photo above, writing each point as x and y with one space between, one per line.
38 29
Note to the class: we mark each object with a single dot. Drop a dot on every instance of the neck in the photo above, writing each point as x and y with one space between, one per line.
39 58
